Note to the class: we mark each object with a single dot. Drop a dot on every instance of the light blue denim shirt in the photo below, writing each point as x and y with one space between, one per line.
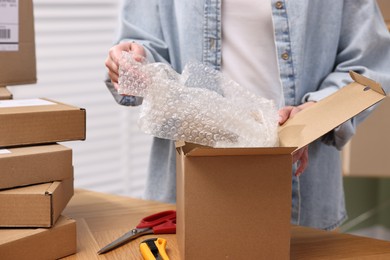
317 43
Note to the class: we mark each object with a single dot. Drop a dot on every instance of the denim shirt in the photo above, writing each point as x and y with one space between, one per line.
317 43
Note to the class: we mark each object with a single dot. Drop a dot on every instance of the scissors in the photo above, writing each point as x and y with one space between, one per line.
160 223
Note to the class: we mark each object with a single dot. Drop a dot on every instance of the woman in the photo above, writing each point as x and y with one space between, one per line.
300 51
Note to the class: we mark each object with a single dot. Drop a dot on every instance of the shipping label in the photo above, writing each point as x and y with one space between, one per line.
9 25
25 103
4 151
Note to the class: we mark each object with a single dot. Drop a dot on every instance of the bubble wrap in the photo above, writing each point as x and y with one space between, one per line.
200 106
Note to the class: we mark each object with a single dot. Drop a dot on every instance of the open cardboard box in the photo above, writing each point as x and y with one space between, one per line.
28 165
235 203
17 49
39 121
37 205
39 243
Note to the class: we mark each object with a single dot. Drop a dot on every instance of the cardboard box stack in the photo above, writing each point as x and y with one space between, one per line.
36 172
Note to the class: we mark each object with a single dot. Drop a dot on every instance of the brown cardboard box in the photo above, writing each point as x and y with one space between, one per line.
39 243
36 205
367 154
4 93
18 63
384 5
28 165
36 121
385 8
234 203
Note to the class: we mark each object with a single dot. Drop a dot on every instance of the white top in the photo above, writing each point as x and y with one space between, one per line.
248 47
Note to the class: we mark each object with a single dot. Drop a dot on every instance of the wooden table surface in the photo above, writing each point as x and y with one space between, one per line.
101 218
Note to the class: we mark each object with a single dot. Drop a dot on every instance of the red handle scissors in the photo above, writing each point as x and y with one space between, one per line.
160 223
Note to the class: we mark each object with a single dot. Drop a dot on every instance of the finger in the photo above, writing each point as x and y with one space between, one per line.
294 111
111 65
123 46
138 51
113 76
284 114
301 107
116 85
303 162
115 52
297 155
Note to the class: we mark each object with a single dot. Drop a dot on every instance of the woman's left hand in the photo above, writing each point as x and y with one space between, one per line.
301 155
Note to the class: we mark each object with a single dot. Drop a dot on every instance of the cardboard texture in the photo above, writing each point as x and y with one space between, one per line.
38 124
35 164
245 193
234 203
4 93
36 205
384 5
19 67
39 243
367 154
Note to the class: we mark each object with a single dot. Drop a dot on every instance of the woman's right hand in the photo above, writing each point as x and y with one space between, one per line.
114 55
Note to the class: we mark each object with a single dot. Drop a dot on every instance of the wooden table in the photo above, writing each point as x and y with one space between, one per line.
101 218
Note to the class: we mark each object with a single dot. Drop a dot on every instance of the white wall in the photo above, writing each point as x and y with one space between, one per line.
72 41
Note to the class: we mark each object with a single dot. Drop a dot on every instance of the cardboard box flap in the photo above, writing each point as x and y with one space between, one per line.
367 82
5 93
317 120
190 149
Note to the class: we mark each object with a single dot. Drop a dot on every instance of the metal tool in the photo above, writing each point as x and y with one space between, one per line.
160 223
154 249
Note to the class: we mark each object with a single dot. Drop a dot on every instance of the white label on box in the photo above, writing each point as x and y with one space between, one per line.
4 151
25 102
9 25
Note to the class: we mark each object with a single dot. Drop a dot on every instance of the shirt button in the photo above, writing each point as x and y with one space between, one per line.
285 56
279 4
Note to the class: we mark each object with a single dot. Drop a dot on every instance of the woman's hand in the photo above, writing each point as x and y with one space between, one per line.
301 155
114 55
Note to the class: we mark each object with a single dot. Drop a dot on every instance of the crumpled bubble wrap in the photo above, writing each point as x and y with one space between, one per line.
199 106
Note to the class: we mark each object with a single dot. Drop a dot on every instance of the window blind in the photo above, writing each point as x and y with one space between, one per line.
72 41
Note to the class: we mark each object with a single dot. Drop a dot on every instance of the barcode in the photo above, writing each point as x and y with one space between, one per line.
5 33
8 1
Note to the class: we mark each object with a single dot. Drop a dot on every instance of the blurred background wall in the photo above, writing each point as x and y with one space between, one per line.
72 41
366 169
